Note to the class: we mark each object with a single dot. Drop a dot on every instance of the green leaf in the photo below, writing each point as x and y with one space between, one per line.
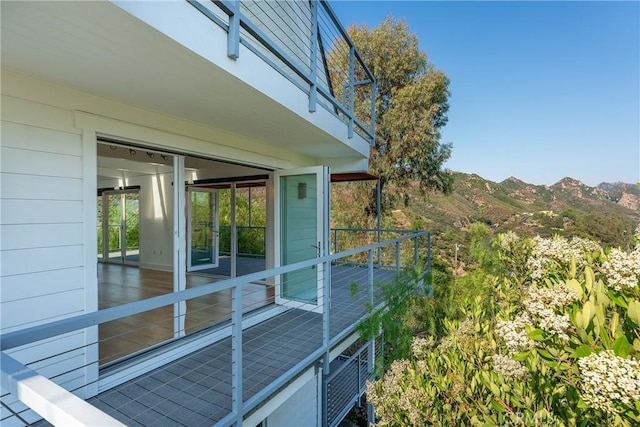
519 357
621 347
494 388
589 278
636 344
577 319
583 350
497 406
584 337
617 299
613 325
634 311
588 311
545 354
536 335
576 287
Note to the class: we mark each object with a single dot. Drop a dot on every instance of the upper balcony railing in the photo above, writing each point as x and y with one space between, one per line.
306 43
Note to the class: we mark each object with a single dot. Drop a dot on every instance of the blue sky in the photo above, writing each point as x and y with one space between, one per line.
540 90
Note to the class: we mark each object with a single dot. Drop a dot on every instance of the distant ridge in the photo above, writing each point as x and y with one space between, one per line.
567 207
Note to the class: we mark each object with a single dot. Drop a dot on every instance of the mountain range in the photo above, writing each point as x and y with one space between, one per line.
608 212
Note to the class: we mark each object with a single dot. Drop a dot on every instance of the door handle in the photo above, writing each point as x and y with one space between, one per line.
317 248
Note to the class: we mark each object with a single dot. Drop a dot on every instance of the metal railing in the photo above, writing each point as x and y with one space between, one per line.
309 330
306 43
346 384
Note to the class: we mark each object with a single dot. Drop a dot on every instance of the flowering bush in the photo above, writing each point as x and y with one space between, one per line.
556 341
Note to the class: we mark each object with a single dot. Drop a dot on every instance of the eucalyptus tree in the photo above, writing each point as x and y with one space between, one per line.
411 108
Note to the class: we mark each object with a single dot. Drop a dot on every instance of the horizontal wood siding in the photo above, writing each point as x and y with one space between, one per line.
42 251
41 224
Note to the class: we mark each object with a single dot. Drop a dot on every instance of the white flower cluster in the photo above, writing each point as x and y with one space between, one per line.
514 334
508 240
541 305
462 335
608 379
508 367
554 323
622 269
557 297
558 250
420 346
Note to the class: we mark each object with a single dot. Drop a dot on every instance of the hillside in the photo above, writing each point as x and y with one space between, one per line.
607 213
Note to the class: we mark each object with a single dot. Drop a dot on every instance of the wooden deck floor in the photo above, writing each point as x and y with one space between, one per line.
196 389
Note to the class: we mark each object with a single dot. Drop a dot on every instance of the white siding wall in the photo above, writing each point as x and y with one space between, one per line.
42 228
42 225
301 409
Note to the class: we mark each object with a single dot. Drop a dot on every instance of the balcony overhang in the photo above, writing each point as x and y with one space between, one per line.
101 49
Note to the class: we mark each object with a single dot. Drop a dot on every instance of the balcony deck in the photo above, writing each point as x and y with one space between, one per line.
196 389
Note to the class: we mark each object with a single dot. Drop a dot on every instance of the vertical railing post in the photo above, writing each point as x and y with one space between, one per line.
249 208
313 87
374 89
233 37
234 232
371 350
335 240
370 276
352 65
359 372
397 257
378 215
415 250
236 353
429 252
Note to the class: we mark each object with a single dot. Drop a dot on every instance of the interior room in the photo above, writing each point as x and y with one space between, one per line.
136 210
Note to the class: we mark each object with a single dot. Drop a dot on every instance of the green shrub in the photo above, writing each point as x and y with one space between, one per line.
553 339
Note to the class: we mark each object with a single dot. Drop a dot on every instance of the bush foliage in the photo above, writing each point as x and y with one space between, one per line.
550 336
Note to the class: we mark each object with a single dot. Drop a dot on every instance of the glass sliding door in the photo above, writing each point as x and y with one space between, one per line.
202 235
131 228
119 227
301 221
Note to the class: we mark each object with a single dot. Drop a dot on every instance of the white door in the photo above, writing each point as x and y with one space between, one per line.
202 228
302 226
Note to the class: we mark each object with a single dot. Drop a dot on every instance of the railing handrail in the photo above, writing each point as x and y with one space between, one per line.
382 230
48 330
237 20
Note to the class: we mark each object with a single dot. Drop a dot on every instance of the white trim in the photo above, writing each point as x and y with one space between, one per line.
89 185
